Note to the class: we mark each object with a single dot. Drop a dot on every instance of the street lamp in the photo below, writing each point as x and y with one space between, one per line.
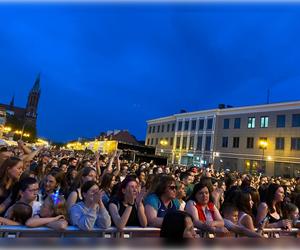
263 145
163 142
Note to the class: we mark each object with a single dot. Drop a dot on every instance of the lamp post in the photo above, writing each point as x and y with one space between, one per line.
163 144
263 145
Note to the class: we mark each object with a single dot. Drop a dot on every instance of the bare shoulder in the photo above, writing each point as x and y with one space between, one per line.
190 204
263 205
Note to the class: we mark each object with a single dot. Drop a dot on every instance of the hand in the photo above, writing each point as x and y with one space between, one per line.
98 196
20 143
114 154
119 153
140 196
130 197
221 230
209 223
60 217
286 224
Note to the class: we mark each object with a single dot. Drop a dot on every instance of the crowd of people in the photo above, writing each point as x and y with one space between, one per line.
57 188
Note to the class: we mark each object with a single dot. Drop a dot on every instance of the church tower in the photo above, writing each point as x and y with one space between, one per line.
33 101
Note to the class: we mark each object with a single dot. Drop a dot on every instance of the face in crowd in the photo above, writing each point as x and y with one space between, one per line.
202 196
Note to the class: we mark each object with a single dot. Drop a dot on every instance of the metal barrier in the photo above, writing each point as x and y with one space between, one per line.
127 232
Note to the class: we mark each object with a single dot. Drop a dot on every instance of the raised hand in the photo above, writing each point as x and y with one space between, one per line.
140 196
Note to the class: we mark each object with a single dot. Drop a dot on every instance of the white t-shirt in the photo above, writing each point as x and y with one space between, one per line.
36 207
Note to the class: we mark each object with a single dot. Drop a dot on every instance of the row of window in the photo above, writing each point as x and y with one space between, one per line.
161 128
279 144
157 141
264 122
184 145
185 126
182 126
190 146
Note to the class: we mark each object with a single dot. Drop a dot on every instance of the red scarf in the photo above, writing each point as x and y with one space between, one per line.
201 214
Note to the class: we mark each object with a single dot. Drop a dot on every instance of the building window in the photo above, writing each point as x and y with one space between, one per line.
148 141
280 121
168 127
162 128
250 142
237 123
225 142
151 141
184 140
207 143
193 125
173 127
251 122
296 120
153 129
191 147
186 125
201 124
158 128
209 124
179 126
279 143
295 143
149 130
264 121
156 141
171 141
199 143
178 142
226 124
236 142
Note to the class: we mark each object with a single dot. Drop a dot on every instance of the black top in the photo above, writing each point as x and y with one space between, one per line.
133 219
5 193
78 198
272 219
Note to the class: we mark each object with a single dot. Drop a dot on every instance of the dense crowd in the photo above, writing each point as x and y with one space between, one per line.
56 188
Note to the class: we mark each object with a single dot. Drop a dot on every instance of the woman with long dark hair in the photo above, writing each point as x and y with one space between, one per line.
162 200
272 208
10 172
127 208
84 175
244 204
107 183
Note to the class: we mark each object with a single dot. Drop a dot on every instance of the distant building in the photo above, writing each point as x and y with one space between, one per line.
262 138
120 136
2 120
19 117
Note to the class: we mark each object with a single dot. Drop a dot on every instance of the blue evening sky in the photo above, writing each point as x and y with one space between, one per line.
114 66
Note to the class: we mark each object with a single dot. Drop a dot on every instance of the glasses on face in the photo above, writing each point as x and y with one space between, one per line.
173 187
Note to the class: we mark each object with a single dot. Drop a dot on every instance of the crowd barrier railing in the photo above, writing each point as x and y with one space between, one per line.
127 232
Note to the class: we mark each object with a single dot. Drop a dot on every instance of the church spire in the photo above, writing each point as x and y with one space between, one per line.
33 99
12 102
36 86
